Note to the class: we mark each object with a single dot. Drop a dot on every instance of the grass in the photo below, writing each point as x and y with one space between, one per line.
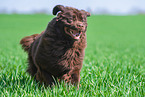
114 63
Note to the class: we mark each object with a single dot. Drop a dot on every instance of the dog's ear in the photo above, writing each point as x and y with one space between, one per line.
86 13
58 8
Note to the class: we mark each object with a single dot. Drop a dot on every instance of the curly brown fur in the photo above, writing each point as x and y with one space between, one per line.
58 52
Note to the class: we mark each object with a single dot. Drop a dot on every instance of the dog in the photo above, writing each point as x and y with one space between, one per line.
58 52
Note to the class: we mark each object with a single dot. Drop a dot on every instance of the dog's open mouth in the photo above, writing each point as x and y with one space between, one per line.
73 33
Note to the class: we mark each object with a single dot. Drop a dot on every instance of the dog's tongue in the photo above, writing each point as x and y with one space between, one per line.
75 34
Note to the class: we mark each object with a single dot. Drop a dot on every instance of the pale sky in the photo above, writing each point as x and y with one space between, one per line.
26 6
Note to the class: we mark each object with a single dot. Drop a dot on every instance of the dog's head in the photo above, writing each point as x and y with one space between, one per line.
73 21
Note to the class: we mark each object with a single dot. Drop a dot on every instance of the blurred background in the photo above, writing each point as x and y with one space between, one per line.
114 7
114 63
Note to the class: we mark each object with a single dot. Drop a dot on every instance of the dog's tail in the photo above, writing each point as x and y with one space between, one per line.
27 41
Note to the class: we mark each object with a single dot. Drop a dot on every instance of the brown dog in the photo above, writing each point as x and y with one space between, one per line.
58 52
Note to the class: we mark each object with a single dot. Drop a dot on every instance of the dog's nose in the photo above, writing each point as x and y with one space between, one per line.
80 25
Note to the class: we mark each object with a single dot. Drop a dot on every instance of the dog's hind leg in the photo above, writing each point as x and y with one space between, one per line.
32 70
44 76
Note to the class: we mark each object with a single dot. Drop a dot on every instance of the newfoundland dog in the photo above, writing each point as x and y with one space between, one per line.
58 52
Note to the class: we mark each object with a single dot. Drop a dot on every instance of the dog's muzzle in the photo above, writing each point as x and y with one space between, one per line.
75 34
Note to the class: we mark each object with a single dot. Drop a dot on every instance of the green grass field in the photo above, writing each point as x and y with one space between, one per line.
114 63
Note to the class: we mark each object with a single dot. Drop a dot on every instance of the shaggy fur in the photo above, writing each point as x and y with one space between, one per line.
58 52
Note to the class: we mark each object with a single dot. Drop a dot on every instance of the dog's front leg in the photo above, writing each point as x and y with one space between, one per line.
73 77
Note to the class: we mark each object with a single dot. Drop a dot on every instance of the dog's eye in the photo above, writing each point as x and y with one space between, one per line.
74 18
83 20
